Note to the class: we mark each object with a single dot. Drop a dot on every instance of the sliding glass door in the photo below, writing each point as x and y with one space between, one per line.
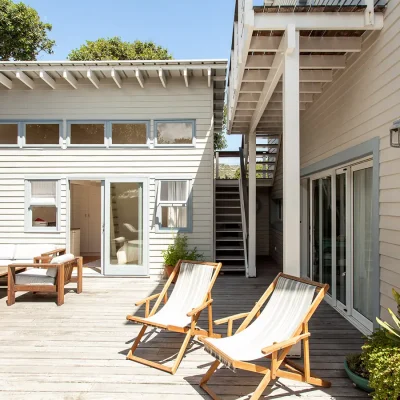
125 238
341 238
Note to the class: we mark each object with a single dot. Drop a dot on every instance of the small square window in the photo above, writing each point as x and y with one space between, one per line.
128 133
41 200
173 204
9 133
82 133
42 134
174 133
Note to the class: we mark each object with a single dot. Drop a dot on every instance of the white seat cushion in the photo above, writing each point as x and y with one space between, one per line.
34 276
58 260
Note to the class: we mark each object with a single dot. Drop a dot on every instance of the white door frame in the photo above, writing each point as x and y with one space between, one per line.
126 270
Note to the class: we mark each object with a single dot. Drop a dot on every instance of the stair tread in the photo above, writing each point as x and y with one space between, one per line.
229 239
227 206
226 248
229 230
232 258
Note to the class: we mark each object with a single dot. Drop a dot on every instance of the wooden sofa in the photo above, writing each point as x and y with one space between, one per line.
49 273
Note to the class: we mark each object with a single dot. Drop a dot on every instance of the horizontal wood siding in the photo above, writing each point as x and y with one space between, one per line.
361 104
276 233
129 103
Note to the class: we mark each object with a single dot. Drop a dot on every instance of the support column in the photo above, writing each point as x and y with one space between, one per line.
252 272
291 156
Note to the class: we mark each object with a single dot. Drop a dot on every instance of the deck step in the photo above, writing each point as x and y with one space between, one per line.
230 248
228 215
229 222
227 207
233 268
230 258
229 231
229 239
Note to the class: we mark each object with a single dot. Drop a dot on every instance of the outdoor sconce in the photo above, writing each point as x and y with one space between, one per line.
395 134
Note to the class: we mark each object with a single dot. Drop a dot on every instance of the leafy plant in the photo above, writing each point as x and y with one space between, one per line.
23 35
356 365
392 333
381 358
179 251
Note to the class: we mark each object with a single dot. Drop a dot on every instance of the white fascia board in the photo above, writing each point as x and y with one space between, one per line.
316 21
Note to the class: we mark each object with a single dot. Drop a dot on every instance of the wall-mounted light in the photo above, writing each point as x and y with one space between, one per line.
395 134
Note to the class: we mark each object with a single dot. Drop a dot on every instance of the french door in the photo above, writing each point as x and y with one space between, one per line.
341 238
126 226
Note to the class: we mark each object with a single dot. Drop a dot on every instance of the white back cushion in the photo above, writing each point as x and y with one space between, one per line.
7 251
58 260
29 251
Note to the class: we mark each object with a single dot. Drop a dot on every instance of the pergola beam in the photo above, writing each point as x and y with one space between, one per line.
163 79
186 77
306 62
209 77
305 75
276 97
70 79
5 81
45 77
25 79
309 44
256 87
116 77
316 21
93 78
139 77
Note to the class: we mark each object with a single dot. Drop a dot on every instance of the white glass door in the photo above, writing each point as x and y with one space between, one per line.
126 226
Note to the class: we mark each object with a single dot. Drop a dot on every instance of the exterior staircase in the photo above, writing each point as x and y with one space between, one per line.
229 238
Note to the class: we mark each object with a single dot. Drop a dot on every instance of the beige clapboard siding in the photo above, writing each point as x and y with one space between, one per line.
108 103
361 104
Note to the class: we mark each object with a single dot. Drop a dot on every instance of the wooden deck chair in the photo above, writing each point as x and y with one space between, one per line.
191 295
282 324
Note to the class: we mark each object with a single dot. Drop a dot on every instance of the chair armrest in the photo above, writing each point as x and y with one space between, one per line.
34 265
152 297
200 308
231 318
50 253
286 343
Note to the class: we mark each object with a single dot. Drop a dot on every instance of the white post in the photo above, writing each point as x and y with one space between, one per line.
252 272
291 156
217 165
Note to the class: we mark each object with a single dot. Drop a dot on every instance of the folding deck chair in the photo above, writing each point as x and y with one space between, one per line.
191 295
282 324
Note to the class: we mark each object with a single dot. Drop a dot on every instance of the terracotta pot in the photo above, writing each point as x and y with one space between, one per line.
168 271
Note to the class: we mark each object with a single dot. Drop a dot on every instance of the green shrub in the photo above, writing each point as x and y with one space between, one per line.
356 365
381 357
179 251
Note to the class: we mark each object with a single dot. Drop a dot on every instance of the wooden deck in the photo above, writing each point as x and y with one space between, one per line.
77 351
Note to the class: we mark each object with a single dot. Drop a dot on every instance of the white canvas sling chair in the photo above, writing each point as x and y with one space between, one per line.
282 324
190 296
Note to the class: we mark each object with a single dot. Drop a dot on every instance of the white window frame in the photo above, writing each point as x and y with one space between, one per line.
176 121
40 122
87 122
165 203
28 204
132 122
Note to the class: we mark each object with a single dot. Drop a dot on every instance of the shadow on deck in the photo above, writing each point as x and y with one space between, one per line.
77 351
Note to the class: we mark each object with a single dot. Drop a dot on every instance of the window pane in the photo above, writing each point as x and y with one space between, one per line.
43 189
87 133
9 133
173 191
174 132
129 133
44 216
42 133
174 217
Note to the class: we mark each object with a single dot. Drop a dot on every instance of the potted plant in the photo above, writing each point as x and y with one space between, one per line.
377 368
178 251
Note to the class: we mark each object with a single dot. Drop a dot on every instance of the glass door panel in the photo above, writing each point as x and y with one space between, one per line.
125 233
341 238
362 241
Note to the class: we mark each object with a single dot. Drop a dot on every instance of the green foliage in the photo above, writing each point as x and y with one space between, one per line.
381 357
396 297
259 167
116 49
22 34
392 332
220 141
179 251
356 365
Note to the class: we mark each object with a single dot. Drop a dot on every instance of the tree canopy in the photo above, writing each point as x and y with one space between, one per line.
220 141
22 33
116 49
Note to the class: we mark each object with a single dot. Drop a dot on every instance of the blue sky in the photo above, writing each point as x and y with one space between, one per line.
190 29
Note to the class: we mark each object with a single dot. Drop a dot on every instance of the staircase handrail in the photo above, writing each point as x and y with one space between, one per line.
243 202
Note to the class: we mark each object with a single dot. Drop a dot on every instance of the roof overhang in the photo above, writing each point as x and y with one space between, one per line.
77 75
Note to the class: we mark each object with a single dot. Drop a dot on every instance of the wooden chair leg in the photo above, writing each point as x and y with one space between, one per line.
181 352
262 386
206 378
60 285
80 273
136 342
10 287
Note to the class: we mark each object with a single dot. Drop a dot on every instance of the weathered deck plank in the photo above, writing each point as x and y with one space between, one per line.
77 351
